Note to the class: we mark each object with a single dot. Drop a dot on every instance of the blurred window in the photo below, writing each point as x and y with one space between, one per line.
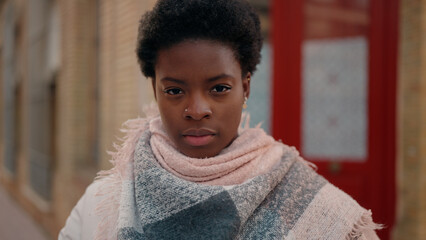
259 103
335 80
8 89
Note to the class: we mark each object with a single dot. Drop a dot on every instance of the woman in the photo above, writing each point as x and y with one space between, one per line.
190 172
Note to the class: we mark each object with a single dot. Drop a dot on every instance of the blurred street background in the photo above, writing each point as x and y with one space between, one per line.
344 81
17 224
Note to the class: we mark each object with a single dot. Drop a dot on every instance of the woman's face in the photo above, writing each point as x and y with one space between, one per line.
200 93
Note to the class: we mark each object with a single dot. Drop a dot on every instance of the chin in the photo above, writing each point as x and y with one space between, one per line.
200 154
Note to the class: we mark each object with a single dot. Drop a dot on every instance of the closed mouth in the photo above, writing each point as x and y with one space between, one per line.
198 137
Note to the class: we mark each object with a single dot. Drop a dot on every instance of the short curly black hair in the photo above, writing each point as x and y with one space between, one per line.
232 22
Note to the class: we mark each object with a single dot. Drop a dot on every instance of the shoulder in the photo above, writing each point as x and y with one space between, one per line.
82 221
327 210
334 214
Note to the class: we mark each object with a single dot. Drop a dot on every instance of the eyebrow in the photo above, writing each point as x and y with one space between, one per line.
170 79
218 77
212 79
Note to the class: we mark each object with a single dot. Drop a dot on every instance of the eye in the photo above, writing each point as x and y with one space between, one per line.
220 88
173 91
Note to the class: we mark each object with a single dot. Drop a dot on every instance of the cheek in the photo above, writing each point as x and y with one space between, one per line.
231 115
235 105
168 115
170 125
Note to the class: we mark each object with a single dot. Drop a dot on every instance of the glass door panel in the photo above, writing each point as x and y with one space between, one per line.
334 87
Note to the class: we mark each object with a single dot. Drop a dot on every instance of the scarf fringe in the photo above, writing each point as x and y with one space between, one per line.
112 179
107 207
302 160
245 122
364 223
307 163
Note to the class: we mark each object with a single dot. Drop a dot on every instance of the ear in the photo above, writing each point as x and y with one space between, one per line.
154 88
246 85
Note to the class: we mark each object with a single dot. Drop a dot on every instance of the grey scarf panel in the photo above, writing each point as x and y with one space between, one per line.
163 206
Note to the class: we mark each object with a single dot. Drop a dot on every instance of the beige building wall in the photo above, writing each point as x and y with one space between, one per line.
74 104
100 88
411 168
123 89
98 85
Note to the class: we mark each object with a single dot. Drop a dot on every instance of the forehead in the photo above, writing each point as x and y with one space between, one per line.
196 58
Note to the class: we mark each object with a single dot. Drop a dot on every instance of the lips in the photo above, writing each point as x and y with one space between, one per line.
198 137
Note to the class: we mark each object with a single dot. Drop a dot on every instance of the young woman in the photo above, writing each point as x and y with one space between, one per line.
190 170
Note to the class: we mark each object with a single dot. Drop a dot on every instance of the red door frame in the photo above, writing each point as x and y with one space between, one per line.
287 36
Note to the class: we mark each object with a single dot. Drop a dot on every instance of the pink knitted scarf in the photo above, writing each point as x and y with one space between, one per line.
251 154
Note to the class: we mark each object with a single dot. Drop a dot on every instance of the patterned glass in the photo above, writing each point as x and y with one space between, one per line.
335 80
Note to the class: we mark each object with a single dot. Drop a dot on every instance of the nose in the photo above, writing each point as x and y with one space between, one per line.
197 108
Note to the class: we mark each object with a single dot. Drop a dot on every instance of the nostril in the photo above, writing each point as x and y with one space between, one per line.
197 115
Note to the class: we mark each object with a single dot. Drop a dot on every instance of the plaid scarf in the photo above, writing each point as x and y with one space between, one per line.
145 201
